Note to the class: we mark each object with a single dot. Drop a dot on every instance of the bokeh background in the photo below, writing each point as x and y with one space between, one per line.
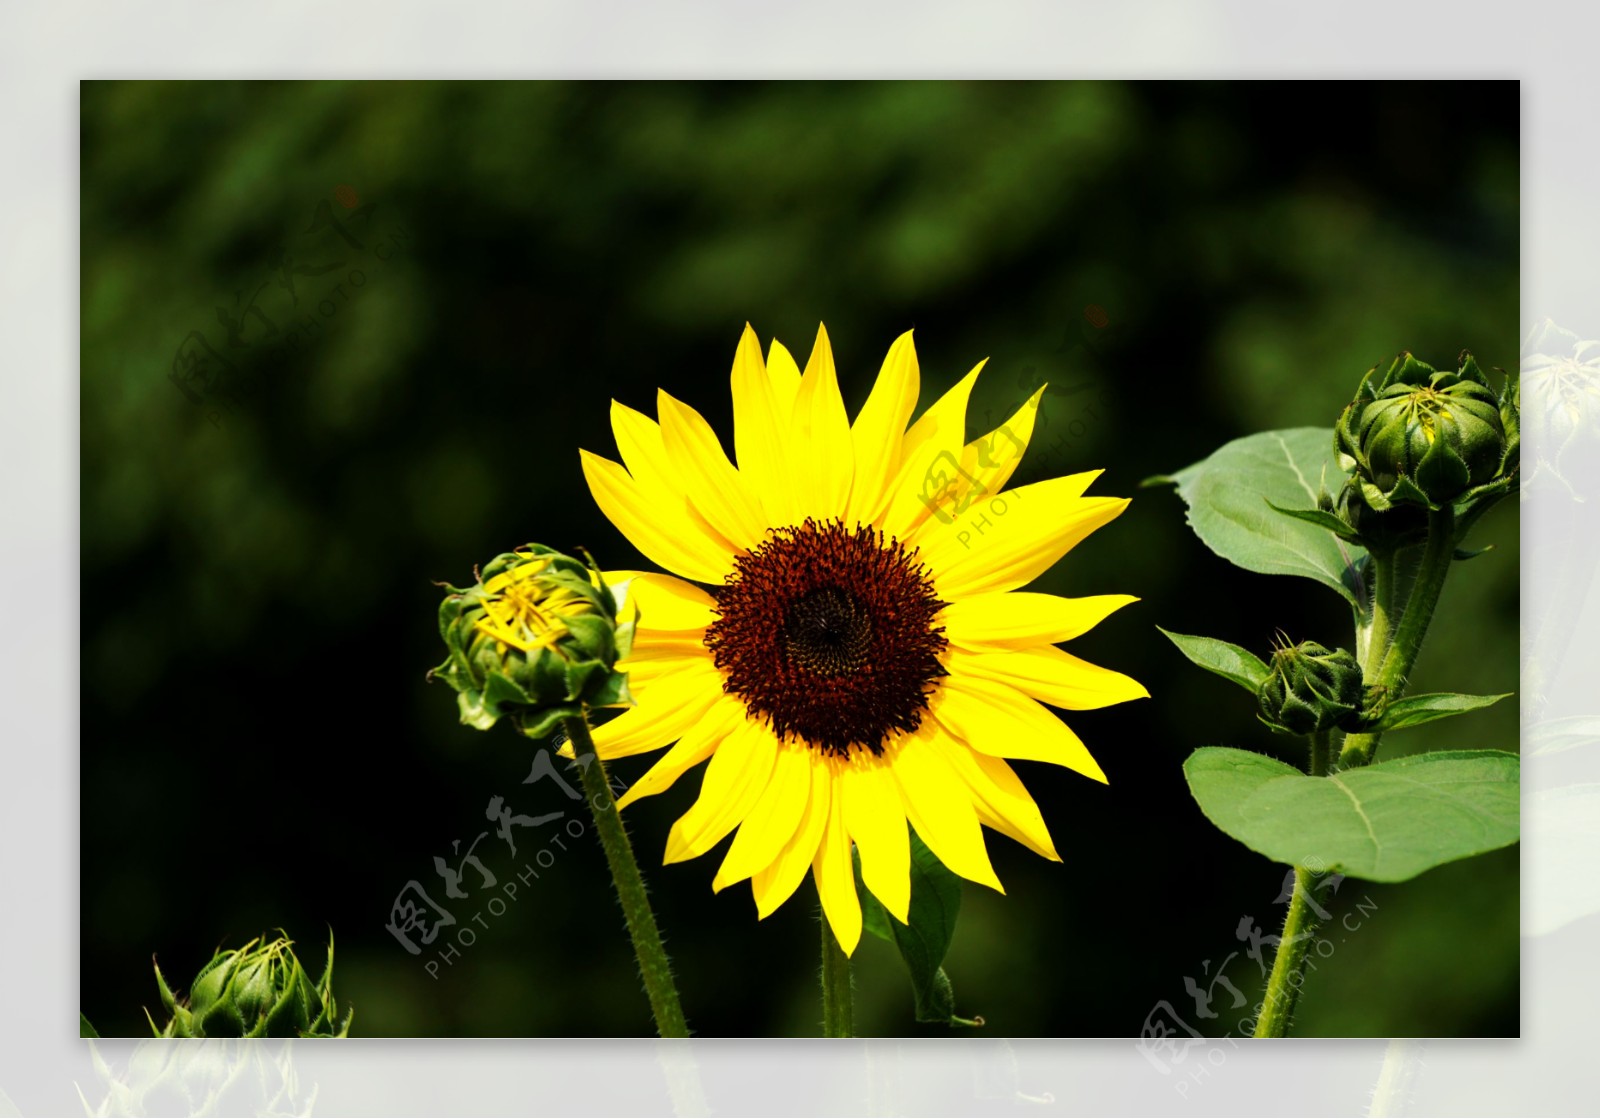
1184 263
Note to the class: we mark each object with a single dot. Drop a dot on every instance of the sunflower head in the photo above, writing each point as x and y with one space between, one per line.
259 990
1311 689
536 639
839 632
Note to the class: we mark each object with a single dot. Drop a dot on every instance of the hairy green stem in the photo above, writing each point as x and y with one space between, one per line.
1321 752
1288 966
838 998
1396 662
1376 639
654 968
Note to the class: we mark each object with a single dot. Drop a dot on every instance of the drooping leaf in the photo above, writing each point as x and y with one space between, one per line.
1236 498
923 942
1555 735
1228 661
1386 822
1322 519
1415 710
84 1029
1563 837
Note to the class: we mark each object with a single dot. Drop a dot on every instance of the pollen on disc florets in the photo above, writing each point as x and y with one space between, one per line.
828 633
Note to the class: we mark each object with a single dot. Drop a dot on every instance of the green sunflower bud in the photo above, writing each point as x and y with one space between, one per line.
1310 689
1416 438
536 640
259 990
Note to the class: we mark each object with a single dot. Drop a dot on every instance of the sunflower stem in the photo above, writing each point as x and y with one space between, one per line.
1395 663
1288 966
654 967
838 995
1321 751
1375 641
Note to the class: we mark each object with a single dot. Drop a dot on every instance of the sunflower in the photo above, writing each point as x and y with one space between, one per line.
841 636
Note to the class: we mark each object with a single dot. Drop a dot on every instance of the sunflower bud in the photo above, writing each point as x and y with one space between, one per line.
259 990
536 640
1423 438
1310 689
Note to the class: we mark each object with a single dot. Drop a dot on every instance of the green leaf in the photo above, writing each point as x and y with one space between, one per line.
1237 497
935 904
84 1029
1418 709
1322 519
1386 822
1555 735
1228 661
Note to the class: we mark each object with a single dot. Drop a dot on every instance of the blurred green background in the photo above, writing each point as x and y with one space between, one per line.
1185 263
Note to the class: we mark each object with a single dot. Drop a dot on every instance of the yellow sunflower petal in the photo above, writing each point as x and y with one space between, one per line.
664 603
773 884
644 455
879 431
998 720
930 464
720 492
827 453
1049 674
761 430
697 744
999 796
1024 619
877 822
785 376
774 819
733 782
996 454
673 700
1006 541
656 655
666 534
834 871
939 805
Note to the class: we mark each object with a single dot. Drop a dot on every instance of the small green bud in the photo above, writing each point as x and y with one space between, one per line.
1311 688
536 640
1416 438
259 990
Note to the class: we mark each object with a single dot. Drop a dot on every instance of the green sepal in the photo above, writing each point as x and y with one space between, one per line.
923 941
547 720
1228 661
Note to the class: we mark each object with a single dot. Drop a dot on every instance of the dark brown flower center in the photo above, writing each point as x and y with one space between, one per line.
828 633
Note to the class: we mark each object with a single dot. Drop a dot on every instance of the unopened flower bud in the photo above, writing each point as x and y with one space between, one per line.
1426 438
536 640
259 990
1310 689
